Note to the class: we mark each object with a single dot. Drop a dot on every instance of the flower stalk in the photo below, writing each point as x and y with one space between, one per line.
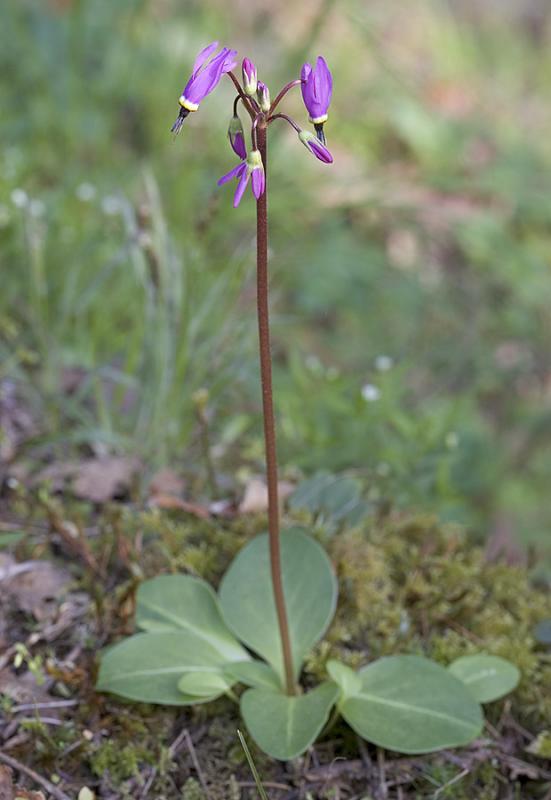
269 419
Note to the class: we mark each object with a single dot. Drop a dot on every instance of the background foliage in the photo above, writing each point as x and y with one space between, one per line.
411 286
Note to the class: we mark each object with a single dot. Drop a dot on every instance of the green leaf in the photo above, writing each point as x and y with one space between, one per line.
282 726
338 498
347 680
309 585
309 494
412 705
183 603
203 684
486 677
148 667
254 673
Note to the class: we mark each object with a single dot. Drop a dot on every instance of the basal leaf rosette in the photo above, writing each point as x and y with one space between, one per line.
180 657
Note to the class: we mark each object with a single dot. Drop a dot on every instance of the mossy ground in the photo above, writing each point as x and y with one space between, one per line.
407 584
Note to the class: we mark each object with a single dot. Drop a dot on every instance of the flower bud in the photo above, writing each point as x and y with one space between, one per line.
250 80
256 169
237 137
317 149
263 95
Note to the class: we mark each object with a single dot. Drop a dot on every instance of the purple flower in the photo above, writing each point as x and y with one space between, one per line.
248 70
204 78
237 137
316 147
263 94
317 88
252 169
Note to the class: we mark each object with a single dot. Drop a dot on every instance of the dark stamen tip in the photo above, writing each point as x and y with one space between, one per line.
177 127
319 133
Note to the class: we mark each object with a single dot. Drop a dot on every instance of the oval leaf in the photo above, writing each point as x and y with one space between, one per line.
282 726
310 587
183 603
254 673
148 666
348 681
486 677
203 684
412 705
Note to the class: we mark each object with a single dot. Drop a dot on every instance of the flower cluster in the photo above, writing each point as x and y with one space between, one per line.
316 85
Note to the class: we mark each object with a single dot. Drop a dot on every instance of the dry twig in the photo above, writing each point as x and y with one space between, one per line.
44 782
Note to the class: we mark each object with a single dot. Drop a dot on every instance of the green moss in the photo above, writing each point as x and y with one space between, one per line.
192 790
119 762
541 746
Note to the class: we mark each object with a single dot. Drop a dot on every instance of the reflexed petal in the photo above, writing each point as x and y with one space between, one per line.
233 173
241 186
325 80
258 182
203 84
305 71
316 88
230 62
203 56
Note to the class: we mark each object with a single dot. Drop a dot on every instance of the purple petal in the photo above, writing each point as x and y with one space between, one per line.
202 57
230 62
249 69
233 173
305 86
238 145
203 84
258 182
316 87
241 186
324 81
320 151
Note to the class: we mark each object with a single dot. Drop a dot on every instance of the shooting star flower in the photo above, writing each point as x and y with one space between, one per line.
204 78
317 88
252 169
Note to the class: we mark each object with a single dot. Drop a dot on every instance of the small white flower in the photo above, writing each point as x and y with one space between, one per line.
384 363
111 205
86 192
20 198
313 363
370 393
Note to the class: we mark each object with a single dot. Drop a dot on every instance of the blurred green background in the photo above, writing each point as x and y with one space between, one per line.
411 281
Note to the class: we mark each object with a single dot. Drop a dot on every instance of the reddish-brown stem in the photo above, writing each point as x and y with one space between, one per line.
242 95
282 94
269 420
291 122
